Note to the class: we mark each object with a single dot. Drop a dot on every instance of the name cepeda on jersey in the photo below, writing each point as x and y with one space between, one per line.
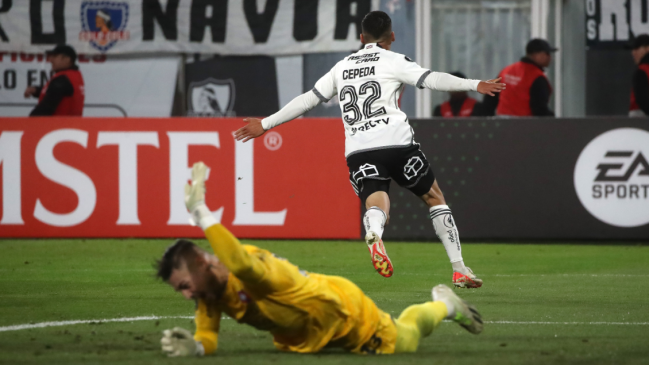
357 73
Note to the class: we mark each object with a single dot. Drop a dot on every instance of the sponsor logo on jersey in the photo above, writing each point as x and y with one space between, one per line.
103 23
612 177
211 97
367 57
369 125
355 73
412 168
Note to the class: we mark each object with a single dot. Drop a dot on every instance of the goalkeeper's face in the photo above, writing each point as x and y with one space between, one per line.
202 279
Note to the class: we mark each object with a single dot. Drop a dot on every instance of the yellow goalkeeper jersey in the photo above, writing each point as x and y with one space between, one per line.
303 311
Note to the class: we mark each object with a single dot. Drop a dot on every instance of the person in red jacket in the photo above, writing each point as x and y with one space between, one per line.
459 105
640 92
528 89
64 93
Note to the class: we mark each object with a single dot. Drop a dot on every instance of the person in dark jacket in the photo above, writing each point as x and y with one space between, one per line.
528 89
64 93
640 93
459 105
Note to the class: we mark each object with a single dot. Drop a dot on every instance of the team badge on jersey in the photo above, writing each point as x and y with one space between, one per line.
104 23
211 97
243 296
412 168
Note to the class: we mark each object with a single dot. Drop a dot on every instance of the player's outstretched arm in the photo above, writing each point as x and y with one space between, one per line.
446 82
490 87
225 245
255 127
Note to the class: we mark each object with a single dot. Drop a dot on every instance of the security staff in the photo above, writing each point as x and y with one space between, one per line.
64 93
459 105
640 92
528 89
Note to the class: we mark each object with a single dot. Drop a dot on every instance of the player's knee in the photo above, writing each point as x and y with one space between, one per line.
371 186
433 197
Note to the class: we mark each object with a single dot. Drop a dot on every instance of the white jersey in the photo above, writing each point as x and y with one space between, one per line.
369 84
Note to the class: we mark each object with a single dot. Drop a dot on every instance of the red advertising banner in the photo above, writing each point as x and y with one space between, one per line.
104 177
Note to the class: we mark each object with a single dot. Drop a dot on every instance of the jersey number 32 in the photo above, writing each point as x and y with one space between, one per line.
351 110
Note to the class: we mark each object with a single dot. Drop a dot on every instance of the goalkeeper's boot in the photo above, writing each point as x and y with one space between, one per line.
380 259
466 280
466 314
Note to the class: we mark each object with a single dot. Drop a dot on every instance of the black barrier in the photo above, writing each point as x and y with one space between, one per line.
520 179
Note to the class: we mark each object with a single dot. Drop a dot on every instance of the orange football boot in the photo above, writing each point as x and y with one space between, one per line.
380 259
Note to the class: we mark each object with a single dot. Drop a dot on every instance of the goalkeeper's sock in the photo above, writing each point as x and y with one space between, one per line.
374 220
424 316
445 228
418 321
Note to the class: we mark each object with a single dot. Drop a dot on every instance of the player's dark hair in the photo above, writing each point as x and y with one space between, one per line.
173 257
376 25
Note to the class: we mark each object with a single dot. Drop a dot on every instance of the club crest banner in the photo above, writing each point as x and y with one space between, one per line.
226 27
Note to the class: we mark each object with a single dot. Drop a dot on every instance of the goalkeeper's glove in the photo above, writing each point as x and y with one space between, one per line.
180 342
195 197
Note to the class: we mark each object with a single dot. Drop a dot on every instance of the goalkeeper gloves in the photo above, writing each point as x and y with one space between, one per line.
180 342
195 197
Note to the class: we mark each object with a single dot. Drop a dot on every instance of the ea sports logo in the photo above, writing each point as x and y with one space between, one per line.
612 177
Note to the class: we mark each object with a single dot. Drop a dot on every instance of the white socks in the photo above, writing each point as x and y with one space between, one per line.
445 228
374 220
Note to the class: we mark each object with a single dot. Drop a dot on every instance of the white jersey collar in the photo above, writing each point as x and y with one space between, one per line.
371 45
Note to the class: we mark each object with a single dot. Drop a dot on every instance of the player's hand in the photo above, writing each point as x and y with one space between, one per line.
490 87
195 193
251 130
180 342
30 91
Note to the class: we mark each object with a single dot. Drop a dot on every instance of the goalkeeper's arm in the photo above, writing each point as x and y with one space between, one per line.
225 245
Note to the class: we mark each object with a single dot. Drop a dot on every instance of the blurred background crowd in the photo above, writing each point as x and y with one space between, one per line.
157 58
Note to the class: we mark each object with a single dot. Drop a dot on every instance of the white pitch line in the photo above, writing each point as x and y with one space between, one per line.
568 275
574 323
19 327
488 275
86 321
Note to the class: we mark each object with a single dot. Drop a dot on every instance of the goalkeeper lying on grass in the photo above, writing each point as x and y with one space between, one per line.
304 311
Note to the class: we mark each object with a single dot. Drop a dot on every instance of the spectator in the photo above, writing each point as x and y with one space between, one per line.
459 105
640 92
64 93
528 89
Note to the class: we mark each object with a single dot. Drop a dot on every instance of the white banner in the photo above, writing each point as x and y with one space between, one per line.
115 87
227 27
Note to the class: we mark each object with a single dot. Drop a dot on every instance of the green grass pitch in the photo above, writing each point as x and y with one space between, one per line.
590 303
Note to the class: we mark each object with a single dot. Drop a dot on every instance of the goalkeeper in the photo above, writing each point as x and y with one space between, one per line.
303 311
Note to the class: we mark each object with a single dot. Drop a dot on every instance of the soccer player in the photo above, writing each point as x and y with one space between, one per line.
380 143
303 311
